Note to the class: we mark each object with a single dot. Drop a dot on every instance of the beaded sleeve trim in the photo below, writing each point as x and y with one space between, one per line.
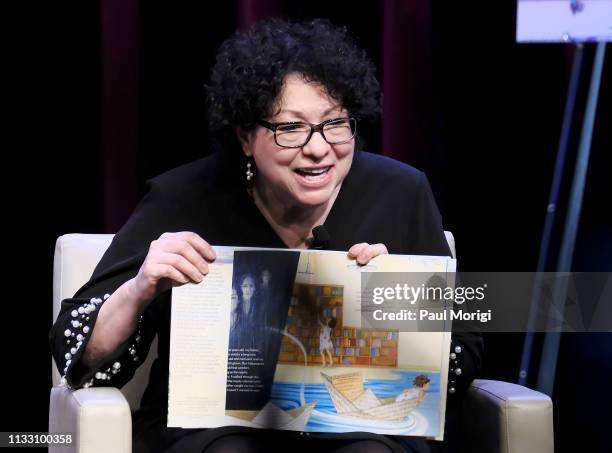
76 333
454 366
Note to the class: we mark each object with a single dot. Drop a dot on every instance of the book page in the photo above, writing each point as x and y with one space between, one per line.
364 380
273 339
199 347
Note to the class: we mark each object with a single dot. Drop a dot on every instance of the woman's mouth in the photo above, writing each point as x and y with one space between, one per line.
314 176
313 173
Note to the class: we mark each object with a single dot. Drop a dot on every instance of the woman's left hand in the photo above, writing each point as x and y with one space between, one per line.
364 252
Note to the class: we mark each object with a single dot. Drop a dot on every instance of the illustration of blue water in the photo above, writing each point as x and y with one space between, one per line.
424 420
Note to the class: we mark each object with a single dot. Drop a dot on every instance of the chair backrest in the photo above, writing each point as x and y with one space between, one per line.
451 242
76 256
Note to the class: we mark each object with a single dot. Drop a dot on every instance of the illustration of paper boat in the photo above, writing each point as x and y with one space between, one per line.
273 417
351 400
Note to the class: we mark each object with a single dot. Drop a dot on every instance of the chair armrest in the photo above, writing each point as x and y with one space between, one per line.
507 418
99 419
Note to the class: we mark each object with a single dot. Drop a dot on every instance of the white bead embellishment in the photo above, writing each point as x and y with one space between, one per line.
80 329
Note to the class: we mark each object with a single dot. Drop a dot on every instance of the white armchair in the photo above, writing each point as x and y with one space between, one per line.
499 416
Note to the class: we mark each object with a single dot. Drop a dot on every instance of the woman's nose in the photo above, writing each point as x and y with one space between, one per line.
317 147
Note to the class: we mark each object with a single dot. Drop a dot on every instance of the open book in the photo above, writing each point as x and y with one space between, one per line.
274 339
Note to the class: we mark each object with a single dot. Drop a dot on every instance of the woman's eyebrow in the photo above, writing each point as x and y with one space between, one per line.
301 114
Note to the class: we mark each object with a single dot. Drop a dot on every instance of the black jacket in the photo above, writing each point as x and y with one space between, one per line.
380 201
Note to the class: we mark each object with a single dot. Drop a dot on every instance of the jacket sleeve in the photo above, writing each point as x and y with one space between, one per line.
427 237
76 321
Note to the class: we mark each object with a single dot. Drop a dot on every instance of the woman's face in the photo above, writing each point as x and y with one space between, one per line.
247 288
265 277
282 170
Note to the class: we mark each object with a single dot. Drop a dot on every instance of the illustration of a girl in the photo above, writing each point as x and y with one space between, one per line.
325 343
421 386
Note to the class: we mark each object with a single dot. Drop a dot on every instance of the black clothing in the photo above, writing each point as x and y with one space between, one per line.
380 201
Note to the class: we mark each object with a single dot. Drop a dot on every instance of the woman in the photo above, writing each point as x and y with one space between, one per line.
284 101
247 326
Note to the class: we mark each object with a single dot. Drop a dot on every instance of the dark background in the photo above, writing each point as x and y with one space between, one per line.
110 93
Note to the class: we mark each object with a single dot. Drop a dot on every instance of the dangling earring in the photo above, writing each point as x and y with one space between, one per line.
249 173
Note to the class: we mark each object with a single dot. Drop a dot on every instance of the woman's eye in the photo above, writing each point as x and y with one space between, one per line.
292 128
337 123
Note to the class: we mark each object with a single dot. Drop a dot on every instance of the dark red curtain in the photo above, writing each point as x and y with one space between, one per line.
120 108
407 82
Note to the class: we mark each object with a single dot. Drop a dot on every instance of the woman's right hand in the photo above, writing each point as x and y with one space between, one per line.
173 260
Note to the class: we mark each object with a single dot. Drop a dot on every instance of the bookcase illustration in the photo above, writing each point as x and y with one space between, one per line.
353 346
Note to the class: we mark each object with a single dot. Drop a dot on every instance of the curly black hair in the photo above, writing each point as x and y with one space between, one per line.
248 75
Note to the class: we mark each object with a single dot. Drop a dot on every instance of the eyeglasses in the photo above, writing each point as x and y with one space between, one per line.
296 134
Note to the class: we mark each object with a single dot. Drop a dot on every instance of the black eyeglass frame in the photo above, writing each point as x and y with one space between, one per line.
313 128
